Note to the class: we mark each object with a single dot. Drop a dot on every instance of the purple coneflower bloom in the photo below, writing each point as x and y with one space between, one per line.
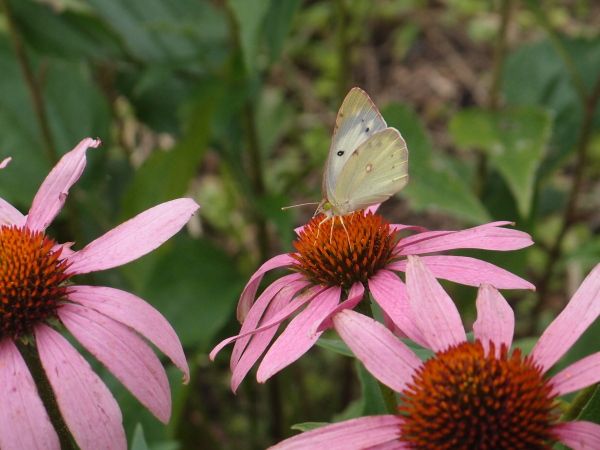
37 296
334 263
469 395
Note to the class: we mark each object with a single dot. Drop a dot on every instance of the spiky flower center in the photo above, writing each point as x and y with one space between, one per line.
466 399
343 250
31 280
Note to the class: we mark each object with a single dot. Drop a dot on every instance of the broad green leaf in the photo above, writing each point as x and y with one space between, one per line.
591 411
515 140
372 400
277 24
434 181
250 17
335 345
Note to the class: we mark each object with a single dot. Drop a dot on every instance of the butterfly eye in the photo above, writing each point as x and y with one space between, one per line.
340 152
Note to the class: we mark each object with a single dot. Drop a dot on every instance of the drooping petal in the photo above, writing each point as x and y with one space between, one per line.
468 271
134 312
580 312
355 295
383 354
53 192
298 337
24 423
259 341
89 409
390 293
579 435
249 292
354 434
9 215
290 284
432 309
579 375
124 354
282 315
134 238
490 236
495 319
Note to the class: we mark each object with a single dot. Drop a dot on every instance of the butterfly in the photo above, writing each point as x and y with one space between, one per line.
367 161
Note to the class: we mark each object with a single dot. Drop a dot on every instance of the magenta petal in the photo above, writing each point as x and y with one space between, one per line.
382 353
468 271
53 192
486 237
495 319
89 409
432 309
24 423
355 295
9 215
579 435
134 238
581 374
580 312
249 292
298 337
390 293
5 162
124 354
135 313
354 434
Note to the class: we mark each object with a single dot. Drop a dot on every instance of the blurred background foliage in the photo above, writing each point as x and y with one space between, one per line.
232 102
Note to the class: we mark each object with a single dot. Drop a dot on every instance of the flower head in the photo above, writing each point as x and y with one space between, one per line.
337 260
38 297
468 395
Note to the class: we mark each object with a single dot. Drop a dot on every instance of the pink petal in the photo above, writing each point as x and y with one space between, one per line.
89 409
495 319
282 315
5 162
299 336
355 295
24 423
433 310
124 354
9 215
290 284
487 237
383 354
351 434
134 238
53 192
581 374
580 312
391 445
468 271
259 341
135 313
249 292
390 293
580 435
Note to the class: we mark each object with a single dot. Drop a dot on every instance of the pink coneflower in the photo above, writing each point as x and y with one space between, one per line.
340 263
37 299
469 395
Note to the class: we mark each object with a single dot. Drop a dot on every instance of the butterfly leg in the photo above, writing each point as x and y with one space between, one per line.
319 228
346 230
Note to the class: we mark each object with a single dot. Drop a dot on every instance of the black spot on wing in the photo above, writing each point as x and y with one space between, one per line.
340 152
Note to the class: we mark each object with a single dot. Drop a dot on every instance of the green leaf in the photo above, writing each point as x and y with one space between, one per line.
336 345
139 441
372 401
278 23
435 182
515 141
591 411
250 17
307 426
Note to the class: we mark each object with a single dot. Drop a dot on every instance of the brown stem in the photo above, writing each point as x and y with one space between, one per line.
35 91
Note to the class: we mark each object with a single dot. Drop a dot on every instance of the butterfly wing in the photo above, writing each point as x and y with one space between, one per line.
357 120
375 171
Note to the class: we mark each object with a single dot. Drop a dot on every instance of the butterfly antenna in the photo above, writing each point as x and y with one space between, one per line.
300 204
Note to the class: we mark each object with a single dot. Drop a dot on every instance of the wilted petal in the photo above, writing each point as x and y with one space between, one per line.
495 319
390 293
249 292
385 356
580 312
468 271
134 238
486 237
89 409
355 434
581 374
53 192
124 354
579 435
432 309
24 423
134 312
298 337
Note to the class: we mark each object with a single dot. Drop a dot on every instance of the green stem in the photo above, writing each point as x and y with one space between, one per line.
32 359
500 54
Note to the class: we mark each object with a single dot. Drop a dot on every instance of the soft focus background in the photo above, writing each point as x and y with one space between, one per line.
232 102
